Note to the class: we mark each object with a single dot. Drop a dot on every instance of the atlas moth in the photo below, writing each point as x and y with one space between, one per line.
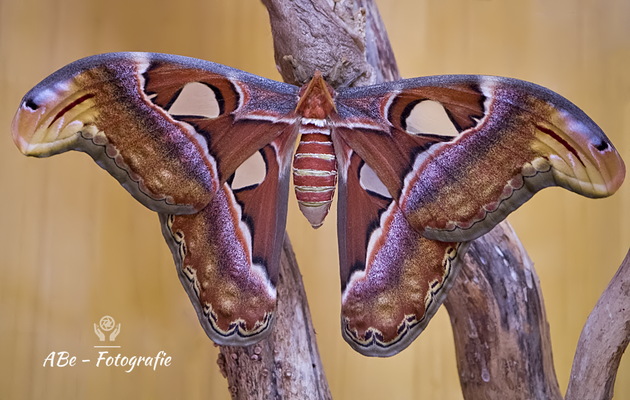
421 166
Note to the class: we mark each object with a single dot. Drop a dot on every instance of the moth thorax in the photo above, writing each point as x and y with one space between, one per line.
314 170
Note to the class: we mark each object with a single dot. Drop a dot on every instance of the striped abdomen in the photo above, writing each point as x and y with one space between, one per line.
314 170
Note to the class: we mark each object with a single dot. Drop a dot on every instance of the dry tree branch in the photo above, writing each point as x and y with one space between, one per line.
286 365
603 341
499 323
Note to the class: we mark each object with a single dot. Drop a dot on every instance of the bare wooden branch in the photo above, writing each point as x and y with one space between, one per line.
319 36
287 364
379 51
603 341
499 323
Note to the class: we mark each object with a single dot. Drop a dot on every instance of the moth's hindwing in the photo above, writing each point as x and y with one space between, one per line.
393 279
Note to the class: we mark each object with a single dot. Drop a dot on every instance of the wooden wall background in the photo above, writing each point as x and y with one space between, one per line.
74 246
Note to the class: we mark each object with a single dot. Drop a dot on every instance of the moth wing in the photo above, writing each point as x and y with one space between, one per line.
228 254
177 133
393 279
170 129
459 153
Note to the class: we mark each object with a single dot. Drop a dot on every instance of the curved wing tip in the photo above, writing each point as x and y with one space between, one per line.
618 177
15 132
23 129
612 173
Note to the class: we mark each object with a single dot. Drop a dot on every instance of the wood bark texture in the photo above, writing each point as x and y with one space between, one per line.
379 53
499 324
287 364
312 35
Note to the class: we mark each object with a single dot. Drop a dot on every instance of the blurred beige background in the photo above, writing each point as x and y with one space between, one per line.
74 246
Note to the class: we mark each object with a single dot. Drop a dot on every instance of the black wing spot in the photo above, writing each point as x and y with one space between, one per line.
407 111
602 146
218 96
31 104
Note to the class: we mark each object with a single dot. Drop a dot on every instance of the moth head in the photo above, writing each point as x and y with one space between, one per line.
316 98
